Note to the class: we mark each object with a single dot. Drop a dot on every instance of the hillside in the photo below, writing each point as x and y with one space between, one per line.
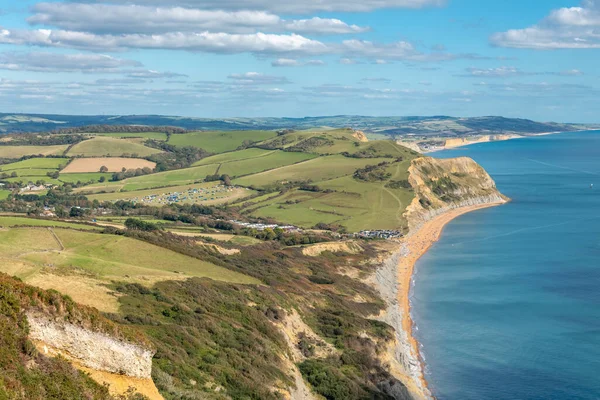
391 126
242 266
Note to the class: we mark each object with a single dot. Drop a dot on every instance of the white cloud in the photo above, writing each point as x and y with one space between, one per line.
282 45
129 19
290 62
222 43
55 62
510 72
564 28
292 6
256 78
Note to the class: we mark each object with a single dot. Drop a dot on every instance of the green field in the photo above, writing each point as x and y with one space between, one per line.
10 221
318 169
36 163
110 147
83 177
138 195
219 141
20 151
4 194
233 156
125 135
355 204
273 160
84 264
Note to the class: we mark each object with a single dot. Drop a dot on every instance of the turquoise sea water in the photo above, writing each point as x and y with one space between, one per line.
507 303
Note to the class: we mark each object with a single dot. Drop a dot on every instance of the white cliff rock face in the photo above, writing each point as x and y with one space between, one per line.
91 349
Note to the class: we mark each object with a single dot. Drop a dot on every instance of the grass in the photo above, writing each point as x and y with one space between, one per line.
125 135
4 194
219 141
319 169
83 177
113 147
178 177
136 195
357 205
270 161
233 156
10 221
35 163
90 261
20 151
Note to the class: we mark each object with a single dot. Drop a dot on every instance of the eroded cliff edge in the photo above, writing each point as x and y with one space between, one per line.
440 186
443 185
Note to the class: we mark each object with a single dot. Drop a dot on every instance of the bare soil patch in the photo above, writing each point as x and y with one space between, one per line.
114 164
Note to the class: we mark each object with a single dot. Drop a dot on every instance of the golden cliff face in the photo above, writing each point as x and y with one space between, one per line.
441 185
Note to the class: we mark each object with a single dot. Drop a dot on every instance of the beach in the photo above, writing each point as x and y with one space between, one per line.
416 245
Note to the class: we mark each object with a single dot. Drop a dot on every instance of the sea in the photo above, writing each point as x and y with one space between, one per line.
507 304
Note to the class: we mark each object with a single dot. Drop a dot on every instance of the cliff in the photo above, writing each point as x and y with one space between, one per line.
442 185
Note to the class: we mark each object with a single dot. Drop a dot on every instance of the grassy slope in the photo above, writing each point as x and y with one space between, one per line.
10 221
35 163
316 170
20 151
273 160
107 146
145 135
233 156
220 142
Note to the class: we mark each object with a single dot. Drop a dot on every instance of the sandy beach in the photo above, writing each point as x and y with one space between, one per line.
417 244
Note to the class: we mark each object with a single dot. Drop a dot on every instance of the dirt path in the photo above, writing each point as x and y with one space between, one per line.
60 244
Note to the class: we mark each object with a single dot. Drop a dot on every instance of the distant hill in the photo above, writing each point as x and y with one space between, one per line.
389 126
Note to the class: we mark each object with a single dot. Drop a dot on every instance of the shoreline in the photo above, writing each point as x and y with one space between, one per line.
416 245
509 137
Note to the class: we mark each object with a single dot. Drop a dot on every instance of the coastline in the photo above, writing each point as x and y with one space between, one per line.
415 245
505 138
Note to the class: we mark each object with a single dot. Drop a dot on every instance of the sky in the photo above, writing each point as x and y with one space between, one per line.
535 59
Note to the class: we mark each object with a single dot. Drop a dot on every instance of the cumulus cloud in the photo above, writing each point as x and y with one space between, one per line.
129 19
221 43
292 6
282 45
151 74
564 28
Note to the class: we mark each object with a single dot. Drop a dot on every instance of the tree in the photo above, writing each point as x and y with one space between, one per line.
226 180
103 169
13 174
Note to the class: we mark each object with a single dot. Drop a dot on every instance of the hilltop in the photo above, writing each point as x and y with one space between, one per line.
395 127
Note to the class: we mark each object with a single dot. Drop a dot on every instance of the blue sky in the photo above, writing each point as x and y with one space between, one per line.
241 58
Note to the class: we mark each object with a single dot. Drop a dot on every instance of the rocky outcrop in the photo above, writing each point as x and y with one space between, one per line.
360 136
443 185
90 349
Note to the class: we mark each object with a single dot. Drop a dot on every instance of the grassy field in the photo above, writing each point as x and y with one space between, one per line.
113 164
20 151
4 194
83 177
125 135
355 204
110 147
35 163
319 169
233 156
11 221
138 195
82 264
219 141
270 161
